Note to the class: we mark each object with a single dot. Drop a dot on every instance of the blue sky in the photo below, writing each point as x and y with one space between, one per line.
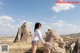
64 18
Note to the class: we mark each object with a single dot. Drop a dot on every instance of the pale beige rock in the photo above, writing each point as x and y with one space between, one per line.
55 43
24 33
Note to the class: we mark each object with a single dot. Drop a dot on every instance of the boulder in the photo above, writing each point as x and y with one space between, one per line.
77 47
24 33
55 43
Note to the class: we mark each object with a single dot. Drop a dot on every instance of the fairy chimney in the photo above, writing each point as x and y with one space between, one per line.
24 33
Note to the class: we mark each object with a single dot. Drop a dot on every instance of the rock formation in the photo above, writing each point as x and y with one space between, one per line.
77 47
24 33
55 43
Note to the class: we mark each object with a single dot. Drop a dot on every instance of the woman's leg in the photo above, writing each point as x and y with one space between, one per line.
34 48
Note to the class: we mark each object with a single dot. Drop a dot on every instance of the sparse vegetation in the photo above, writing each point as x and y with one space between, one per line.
22 47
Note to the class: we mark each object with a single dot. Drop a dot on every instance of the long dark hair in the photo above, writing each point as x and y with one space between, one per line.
37 24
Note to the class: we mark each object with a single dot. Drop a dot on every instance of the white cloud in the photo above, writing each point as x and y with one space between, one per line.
71 25
59 23
7 25
65 27
54 17
61 7
6 20
4 17
71 28
62 27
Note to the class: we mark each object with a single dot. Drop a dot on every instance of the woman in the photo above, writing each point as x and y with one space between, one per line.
37 37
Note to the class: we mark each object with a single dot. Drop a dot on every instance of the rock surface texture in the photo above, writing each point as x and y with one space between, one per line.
24 33
55 43
77 47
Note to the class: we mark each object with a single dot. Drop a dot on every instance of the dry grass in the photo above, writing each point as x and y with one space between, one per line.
22 47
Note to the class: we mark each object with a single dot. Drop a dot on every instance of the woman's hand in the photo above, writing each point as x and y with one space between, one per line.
45 43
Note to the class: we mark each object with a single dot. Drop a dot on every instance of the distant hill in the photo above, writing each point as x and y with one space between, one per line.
67 37
71 37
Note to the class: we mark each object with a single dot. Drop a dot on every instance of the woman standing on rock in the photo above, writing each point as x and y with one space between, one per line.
37 37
